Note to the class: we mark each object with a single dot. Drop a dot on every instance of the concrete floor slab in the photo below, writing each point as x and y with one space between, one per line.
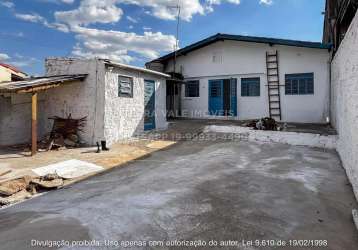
198 191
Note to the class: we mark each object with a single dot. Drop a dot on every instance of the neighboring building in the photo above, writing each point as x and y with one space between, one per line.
10 73
338 17
118 100
248 78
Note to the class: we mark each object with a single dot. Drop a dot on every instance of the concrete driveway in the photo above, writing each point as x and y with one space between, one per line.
219 191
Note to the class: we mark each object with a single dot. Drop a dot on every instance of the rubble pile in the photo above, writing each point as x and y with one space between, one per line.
65 133
264 124
13 191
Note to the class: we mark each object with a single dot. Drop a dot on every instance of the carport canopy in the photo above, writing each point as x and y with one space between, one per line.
33 86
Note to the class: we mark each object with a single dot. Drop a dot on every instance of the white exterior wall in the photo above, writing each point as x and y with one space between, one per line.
124 117
15 118
108 116
243 59
79 99
345 102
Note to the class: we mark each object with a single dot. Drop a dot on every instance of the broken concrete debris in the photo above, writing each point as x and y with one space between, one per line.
50 177
11 187
23 188
19 196
48 181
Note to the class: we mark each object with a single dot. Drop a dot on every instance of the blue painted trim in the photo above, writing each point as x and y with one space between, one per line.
150 125
216 101
233 89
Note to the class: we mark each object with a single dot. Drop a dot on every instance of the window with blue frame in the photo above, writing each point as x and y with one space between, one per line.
299 84
250 86
192 89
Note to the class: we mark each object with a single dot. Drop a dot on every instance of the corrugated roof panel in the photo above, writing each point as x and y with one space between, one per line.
10 87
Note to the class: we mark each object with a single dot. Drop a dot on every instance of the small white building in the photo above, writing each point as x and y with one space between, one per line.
118 100
241 77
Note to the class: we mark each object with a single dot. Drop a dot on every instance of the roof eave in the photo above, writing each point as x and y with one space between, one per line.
125 66
222 37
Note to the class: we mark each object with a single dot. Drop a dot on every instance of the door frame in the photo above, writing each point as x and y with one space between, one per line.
233 98
152 125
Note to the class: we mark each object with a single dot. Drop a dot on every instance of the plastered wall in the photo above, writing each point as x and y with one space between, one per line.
344 102
242 59
80 99
124 116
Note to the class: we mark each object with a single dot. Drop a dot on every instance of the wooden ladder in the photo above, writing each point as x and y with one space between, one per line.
273 84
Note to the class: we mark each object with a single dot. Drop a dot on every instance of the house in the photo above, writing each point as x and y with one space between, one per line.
118 100
338 17
10 73
243 77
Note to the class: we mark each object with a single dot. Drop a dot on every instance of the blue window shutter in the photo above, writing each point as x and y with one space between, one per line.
215 97
233 85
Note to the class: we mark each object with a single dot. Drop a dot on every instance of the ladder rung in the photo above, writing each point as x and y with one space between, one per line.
274 95
272 68
274 101
273 75
271 55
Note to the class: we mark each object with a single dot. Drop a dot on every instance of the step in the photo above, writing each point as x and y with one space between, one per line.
273 75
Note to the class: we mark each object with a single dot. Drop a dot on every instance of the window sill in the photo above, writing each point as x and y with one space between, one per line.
188 98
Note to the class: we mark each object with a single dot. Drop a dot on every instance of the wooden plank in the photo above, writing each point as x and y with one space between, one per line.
35 89
34 123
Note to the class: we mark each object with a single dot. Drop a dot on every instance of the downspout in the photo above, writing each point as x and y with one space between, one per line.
329 120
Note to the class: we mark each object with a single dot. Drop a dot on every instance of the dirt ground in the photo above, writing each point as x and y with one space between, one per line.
20 163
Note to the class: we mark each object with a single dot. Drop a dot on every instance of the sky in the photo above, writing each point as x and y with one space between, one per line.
137 31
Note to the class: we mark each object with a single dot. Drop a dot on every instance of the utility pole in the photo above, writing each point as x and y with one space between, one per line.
177 39
176 46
